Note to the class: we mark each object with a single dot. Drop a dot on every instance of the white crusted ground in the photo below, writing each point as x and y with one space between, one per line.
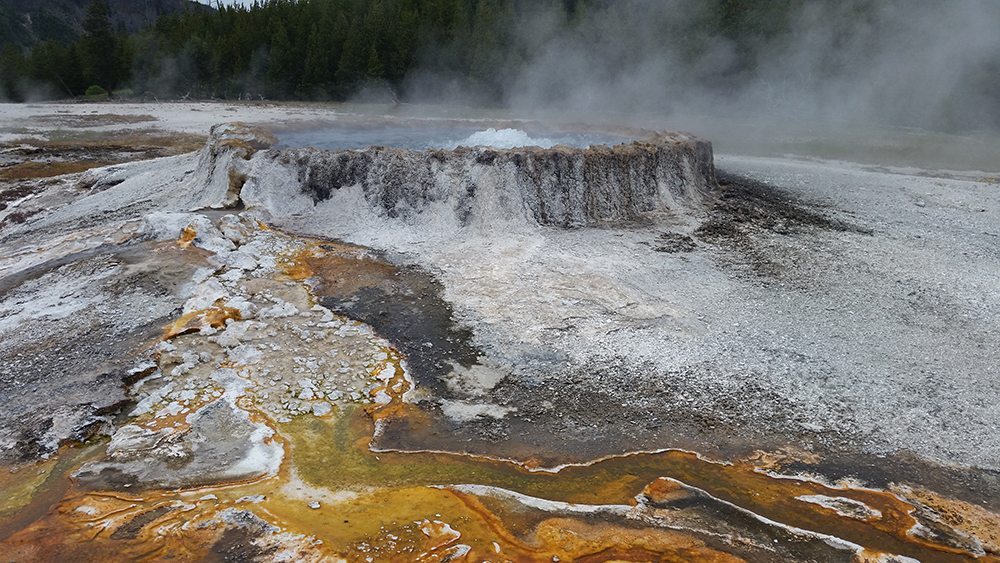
886 339
883 340
213 395
20 120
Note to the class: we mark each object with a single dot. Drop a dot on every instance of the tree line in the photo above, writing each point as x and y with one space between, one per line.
318 49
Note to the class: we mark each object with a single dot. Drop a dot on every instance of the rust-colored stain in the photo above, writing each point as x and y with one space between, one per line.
296 266
335 497
397 512
972 519
188 234
573 540
343 268
663 491
775 460
214 316
389 396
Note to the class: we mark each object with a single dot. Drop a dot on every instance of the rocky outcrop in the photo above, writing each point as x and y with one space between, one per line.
222 163
561 186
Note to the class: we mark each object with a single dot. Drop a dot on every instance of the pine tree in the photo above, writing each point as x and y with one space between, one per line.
12 69
316 70
487 48
374 69
353 60
403 39
99 51
280 61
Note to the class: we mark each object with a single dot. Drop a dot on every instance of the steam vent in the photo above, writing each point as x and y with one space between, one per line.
493 176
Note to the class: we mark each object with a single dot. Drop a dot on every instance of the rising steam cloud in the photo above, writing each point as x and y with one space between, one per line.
927 63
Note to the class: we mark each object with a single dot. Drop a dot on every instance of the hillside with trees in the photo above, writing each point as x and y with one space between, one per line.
26 23
429 49
325 49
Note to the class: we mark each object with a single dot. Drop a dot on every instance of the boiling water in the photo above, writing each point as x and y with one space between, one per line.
348 137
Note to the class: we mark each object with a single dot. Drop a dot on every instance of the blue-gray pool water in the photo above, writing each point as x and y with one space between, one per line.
348 137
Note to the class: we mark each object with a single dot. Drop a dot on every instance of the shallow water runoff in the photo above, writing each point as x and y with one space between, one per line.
317 398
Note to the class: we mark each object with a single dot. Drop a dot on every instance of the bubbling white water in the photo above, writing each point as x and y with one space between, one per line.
503 139
435 136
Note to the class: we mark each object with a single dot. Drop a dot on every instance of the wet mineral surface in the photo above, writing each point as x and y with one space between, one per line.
241 380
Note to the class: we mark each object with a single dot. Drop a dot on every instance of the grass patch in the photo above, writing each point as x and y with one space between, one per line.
31 170
92 119
69 152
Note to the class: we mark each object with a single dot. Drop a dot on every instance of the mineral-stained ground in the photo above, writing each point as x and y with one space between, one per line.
234 354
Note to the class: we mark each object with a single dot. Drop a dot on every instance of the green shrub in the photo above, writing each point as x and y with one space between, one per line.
95 92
